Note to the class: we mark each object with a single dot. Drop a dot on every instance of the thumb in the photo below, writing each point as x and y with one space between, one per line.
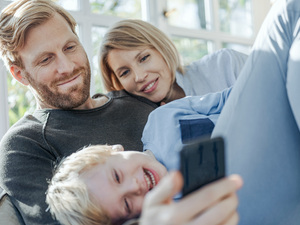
164 192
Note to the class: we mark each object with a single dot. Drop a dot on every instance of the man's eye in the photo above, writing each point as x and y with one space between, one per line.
117 176
144 58
45 60
70 47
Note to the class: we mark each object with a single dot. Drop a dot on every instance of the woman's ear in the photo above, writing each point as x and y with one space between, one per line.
16 71
118 148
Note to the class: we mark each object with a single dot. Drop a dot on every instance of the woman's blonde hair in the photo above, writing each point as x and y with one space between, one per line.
135 34
67 195
18 18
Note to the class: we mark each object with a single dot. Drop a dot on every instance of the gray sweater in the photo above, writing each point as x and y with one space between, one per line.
31 147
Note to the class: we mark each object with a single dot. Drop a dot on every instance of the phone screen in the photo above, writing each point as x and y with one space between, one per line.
202 162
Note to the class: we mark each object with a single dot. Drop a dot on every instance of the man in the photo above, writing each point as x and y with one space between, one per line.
41 49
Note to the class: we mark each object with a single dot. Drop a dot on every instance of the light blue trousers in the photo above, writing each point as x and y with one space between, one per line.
261 121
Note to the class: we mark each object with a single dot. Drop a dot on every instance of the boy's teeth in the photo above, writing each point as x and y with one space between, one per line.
150 179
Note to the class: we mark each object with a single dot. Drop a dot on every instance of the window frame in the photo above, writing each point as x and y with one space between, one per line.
153 13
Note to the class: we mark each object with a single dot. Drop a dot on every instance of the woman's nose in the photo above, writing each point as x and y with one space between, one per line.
140 76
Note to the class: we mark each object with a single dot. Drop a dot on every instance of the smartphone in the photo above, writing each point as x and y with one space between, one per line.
202 162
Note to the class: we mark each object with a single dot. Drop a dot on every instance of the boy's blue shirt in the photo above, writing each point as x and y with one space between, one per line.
171 126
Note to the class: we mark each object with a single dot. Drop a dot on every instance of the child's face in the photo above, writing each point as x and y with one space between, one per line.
120 185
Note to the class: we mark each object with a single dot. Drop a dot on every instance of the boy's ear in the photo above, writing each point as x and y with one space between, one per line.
118 148
17 73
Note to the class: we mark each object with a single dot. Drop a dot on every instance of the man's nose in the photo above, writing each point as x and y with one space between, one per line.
64 64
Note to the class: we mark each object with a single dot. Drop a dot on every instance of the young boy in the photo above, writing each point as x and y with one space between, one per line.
107 185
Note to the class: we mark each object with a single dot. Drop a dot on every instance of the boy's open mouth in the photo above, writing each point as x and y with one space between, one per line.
149 179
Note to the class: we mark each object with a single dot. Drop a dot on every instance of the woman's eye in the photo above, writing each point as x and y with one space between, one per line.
144 58
117 176
124 73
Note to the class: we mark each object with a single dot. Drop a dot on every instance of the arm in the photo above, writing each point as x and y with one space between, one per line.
164 134
215 203
27 163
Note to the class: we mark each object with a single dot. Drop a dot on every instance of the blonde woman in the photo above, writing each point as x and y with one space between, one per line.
138 57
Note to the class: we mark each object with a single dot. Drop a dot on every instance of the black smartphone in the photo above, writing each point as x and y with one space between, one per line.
202 162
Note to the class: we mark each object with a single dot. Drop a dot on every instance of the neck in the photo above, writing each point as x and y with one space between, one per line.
90 103
176 92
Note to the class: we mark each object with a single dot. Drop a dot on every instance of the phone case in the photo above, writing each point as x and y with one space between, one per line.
202 162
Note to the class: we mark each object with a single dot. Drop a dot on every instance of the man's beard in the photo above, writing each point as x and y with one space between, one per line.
75 97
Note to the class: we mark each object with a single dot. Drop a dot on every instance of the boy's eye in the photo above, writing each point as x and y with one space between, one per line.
117 176
127 207
144 58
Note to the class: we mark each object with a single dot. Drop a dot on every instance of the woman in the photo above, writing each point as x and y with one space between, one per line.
138 57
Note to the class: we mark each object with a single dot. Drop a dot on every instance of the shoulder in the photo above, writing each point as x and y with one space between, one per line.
27 129
123 97
219 56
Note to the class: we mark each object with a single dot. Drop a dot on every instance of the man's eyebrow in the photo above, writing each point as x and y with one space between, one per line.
44 53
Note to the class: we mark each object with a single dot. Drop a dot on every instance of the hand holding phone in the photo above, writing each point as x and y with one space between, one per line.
202 162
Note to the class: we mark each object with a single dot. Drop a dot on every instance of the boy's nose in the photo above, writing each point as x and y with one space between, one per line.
136 187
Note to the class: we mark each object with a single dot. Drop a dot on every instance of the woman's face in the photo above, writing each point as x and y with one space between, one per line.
120 184
142 72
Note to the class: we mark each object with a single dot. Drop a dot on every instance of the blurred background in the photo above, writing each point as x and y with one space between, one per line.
197 27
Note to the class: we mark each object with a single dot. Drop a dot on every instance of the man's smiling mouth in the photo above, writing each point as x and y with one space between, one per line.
68 81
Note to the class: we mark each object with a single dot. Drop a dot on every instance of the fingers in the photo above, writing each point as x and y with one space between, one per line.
158 207
213 204
164 192
232 220
199 201
221 213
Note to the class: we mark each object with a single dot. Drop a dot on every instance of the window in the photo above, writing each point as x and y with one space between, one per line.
197 27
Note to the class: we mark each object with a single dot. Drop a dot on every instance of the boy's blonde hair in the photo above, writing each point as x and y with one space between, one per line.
68 197
18 18
135 34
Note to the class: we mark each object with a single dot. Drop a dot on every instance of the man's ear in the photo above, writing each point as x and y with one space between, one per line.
17 73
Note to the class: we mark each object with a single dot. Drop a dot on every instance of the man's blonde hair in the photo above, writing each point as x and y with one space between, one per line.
131 35
18 18
68 196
